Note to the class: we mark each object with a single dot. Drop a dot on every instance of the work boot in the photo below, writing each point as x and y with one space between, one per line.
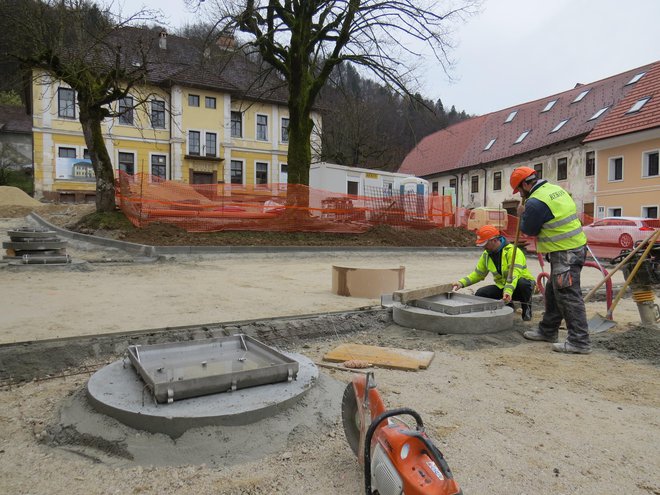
568 348
526 311
536 334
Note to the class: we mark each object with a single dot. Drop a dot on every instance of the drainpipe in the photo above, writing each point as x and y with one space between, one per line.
485 184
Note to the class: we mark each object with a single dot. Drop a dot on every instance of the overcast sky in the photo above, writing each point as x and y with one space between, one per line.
516 51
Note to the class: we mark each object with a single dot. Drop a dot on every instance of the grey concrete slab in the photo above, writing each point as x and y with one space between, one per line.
117 391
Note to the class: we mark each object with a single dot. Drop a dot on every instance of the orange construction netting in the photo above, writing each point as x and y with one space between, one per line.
145 199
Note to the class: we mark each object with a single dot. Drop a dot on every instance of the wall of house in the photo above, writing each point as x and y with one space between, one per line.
16 149
577 182
634 191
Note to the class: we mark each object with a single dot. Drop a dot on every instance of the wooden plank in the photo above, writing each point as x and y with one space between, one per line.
383 357
403 296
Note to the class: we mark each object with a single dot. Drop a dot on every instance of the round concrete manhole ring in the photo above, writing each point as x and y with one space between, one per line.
117 391
478 322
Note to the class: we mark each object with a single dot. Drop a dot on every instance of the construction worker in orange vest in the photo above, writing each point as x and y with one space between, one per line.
550 214
496 259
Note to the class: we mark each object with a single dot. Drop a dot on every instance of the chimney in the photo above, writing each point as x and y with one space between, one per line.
226 41
162 40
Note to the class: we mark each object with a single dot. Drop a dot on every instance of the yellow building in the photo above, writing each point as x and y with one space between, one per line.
191 123
627 145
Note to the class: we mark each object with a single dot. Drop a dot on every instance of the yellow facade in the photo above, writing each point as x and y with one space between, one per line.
195 142
623 183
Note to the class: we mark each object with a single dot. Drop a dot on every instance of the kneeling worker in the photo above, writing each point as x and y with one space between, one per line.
496 259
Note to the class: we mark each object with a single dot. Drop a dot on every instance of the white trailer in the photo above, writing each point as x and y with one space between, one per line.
362 182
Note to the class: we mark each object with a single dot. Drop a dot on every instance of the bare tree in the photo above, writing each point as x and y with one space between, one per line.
76 42
305 40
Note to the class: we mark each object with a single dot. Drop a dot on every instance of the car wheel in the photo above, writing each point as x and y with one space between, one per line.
625 241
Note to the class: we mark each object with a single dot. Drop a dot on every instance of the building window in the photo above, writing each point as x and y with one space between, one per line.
237 124
614 212
261 173
86 154
559 126
66 105
285 129
453 183
615 169
158 114
159 166
193 142
538 170
650 211
590 164
475 184
638 105
126 110
209 102
352 187
435 187
193 100
636 78
236 172
521 137
650 164
262 127
598 113
211 144
562 169
497 181
490 144
511 116
581 96
66 152
550 104
127 163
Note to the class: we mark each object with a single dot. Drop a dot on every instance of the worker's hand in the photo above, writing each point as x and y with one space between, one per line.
521 209
506 298
456 285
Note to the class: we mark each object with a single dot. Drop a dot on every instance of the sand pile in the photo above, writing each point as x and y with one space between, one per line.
15 202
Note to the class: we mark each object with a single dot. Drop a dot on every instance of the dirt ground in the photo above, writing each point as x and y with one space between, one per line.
510 416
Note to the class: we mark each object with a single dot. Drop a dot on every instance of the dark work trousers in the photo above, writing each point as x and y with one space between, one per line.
522 292
563 298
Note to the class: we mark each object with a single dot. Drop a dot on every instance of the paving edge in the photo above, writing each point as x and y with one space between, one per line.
146 250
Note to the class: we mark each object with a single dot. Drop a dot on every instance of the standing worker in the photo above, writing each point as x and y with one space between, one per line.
496 259
549 213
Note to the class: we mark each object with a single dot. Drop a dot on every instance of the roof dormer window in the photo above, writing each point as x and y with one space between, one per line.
511 116
581 96
490 144
635 78
638 105
521 137
599 113
549 105
559 126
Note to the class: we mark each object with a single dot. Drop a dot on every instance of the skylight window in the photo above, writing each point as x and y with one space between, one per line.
549 106
521 137
636 78
490 144
581 96
511 116
559 126
599 113
638 106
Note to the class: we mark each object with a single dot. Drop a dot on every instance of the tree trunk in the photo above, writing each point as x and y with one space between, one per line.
299 160
101 162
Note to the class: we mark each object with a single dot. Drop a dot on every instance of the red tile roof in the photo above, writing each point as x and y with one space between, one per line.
462 145
15 119
619 122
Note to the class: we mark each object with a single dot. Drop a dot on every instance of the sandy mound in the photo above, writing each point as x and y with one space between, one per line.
15 202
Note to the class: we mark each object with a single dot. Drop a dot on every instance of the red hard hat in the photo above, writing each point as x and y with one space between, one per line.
486 233
519 175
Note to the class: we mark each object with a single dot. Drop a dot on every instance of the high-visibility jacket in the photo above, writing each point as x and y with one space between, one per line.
486 265
564 231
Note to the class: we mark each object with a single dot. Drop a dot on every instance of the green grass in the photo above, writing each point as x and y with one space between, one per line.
105 221
18 178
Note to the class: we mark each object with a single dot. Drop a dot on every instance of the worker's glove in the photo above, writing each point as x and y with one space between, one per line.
506 298
456 285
